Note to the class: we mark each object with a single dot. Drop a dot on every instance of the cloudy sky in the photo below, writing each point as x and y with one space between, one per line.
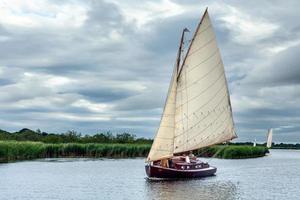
94 66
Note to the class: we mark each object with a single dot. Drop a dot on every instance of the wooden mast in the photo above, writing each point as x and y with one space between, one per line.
180 49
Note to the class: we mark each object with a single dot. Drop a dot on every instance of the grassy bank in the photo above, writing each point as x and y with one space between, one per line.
15 150
233 151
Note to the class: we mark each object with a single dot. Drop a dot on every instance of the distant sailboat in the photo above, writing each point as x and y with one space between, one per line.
269 138
197 110
254 143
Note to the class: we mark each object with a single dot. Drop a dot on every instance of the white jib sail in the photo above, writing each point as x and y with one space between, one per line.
203 110
162 146
269 138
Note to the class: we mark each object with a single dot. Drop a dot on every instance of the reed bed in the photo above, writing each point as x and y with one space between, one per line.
16 150
233 151
13 150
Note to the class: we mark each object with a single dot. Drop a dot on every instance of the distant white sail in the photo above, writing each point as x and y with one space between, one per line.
269 138
254 143
198 111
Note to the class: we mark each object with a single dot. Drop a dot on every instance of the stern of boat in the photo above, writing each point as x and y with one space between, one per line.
148 170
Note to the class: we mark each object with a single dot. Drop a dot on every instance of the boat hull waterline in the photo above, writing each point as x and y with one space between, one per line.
154 171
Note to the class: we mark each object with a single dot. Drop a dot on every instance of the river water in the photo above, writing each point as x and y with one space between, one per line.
276 176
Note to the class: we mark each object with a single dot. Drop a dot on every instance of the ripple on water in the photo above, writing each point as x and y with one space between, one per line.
276 176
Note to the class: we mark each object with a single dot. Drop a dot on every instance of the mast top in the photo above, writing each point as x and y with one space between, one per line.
180 49
195 33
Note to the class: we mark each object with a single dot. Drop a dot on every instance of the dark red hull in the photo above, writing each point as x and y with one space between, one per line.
155 171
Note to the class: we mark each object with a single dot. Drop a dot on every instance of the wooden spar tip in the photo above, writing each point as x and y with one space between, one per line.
206 10
178 59
186 30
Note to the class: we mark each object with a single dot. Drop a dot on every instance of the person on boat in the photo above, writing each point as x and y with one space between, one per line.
192 156
187 159
165 163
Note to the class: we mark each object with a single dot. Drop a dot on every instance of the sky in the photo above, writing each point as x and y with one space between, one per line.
94 66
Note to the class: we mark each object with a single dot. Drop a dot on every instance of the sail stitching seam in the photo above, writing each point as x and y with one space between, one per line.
222 99
202 92
215 129
206 102
214 122
198 122
203 139
198 49
193 83
205 29
214 53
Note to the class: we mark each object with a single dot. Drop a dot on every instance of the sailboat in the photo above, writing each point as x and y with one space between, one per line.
254 143
269 138
197 111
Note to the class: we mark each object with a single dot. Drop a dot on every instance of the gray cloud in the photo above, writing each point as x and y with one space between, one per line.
105 71
284 69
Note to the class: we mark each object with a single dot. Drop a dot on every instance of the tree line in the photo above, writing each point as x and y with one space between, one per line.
26 134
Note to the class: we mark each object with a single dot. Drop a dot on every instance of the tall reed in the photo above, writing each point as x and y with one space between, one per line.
233 151
15 150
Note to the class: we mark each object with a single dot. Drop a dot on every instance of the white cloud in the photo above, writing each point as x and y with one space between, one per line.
246 29
95 107
143 13
274 49
80 118
26 13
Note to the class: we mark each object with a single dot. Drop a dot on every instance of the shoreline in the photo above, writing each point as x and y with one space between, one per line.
11 151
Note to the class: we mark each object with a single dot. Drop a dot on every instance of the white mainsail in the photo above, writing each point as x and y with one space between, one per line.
162 146
269 138
199 97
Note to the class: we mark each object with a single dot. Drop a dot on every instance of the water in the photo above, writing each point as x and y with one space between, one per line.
276 176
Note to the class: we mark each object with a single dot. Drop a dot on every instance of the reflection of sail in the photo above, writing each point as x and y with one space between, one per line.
177 190
198 111
269 138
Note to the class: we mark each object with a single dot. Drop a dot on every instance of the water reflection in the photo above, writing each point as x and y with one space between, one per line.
191 189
